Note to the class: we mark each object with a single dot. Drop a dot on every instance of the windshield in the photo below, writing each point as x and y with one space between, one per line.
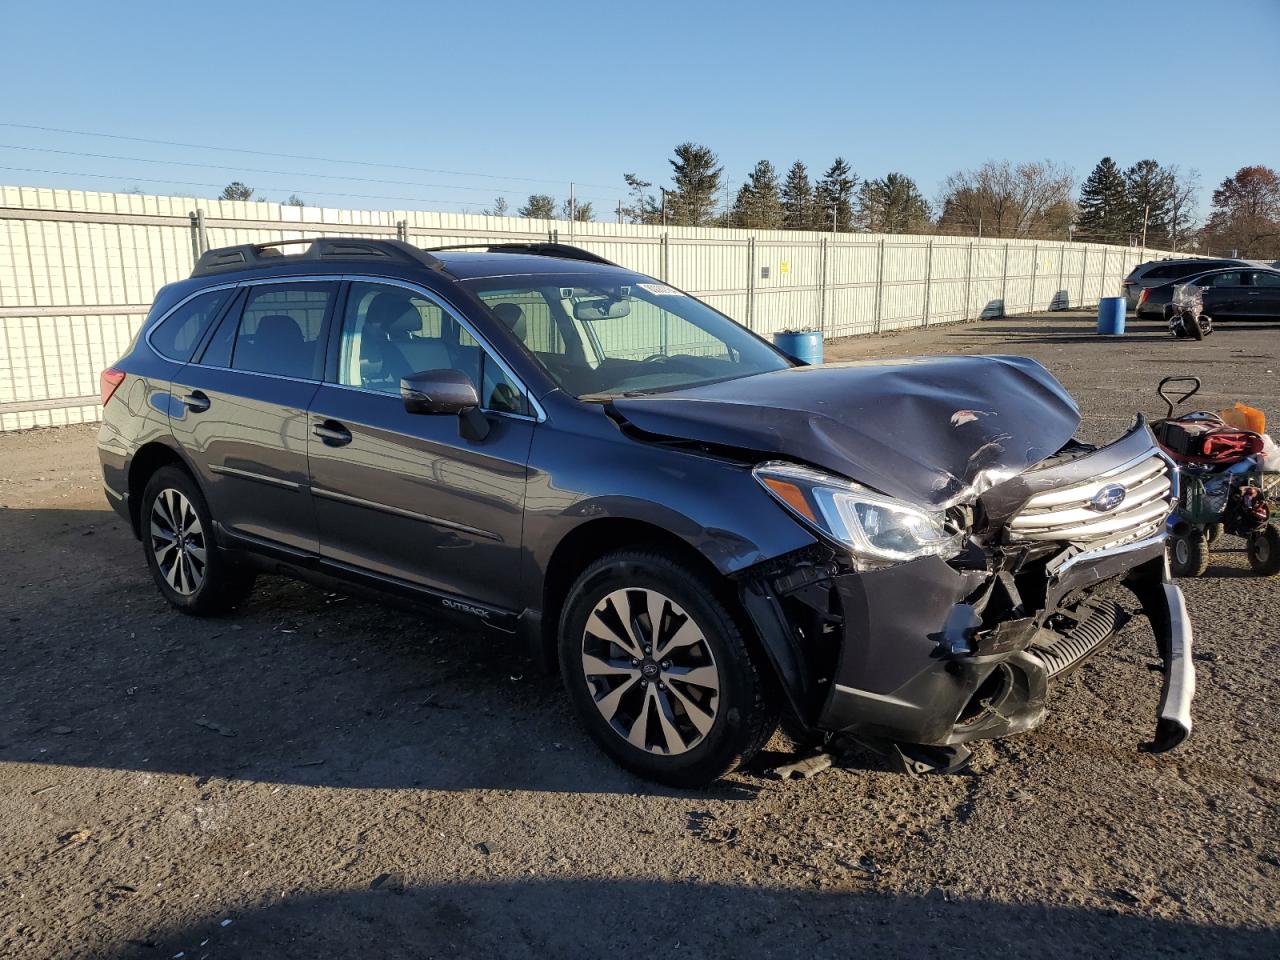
622 334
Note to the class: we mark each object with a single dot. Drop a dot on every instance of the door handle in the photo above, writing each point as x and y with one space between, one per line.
332 433
196 401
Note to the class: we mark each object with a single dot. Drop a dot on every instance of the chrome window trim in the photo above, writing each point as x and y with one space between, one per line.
146 337
540 414
232 285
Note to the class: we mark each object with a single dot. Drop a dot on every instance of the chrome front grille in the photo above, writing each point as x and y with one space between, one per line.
1079 513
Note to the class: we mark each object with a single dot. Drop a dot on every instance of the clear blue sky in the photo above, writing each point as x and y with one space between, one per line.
559 91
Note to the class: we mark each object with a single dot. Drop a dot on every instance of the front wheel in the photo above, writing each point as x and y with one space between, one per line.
1263 549
177 538
659 672
1188 554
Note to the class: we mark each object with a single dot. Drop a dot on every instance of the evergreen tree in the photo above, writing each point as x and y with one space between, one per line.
759 201
697 180
893 204
644 207
235 190
1104 200
539 206
1149 190
797 198
834 197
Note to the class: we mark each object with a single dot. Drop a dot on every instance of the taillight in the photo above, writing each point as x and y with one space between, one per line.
1142 297
110 380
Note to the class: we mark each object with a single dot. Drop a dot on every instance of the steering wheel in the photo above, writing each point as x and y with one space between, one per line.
655 357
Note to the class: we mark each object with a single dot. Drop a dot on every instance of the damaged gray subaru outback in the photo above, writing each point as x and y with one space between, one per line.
699 533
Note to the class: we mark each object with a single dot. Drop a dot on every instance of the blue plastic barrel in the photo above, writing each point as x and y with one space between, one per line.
804 345
1111 316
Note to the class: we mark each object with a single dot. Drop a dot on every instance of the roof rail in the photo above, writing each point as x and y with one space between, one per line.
537 248
250 256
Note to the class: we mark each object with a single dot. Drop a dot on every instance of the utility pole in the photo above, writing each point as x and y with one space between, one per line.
835 216
664 205
979 229
619 211
1146 212
573 211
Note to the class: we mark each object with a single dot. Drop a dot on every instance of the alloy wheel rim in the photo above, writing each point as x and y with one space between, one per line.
650 671
178 542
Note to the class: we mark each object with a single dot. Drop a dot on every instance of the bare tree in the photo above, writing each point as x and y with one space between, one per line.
1184 185
235 190
1022 200
578 210
1246 213
295 201
499 208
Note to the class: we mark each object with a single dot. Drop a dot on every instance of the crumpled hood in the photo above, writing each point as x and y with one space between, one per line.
922 429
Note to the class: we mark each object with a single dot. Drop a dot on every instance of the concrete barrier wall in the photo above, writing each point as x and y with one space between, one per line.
78 271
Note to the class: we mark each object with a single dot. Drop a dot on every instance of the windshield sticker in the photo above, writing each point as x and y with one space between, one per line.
659 289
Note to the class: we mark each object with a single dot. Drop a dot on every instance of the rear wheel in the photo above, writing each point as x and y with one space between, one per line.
1188 554
177 538
658 671
1263 548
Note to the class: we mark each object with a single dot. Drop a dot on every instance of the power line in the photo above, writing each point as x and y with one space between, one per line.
282 173
191 183
288 156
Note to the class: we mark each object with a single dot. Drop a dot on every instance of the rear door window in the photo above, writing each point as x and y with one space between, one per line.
1264 279
178 335
281 330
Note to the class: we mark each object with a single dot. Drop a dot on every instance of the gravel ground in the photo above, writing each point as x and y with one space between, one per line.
319 776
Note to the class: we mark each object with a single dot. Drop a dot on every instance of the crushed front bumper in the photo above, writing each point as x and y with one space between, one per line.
920 658
941 653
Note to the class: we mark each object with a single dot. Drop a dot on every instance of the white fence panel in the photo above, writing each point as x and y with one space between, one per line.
78 271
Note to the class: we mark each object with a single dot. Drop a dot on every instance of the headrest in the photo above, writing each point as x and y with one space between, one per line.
394 313
279 331
512 316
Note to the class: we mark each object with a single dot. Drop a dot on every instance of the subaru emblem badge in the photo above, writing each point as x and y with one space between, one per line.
1108 498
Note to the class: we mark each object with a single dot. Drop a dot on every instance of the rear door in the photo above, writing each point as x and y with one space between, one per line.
1262 295
241 411
404 497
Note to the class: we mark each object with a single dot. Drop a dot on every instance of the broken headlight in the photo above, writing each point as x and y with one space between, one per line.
878 530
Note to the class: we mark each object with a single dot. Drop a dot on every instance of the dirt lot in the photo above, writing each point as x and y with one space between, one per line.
321 777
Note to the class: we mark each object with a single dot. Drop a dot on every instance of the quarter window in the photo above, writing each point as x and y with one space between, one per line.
280 329
390 332
178 335
1261 279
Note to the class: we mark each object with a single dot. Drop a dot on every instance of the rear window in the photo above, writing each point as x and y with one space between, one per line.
180 333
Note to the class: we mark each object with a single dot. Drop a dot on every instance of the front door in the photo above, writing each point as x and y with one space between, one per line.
406 497
241 411
1263 295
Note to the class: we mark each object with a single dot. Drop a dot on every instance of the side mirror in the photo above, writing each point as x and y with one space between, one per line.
446 392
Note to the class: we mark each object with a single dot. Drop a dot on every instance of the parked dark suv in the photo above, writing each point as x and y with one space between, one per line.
699 532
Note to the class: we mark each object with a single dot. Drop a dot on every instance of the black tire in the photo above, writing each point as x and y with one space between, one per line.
1213 533
744 716
1193 327
1263 548
202 588
1188 554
